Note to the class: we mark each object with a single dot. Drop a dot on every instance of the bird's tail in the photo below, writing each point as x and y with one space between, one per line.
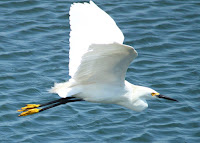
66 89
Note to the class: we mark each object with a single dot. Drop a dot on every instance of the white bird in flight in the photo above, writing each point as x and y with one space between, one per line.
98 61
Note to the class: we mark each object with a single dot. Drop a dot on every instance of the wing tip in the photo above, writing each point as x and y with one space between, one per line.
78 6
131 49
91 2
79 3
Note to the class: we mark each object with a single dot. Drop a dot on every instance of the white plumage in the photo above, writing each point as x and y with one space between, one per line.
89 25
98 64
99 61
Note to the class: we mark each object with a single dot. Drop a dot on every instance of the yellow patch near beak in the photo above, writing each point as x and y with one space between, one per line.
154 94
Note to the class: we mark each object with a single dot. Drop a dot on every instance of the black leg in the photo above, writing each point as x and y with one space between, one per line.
32 108
62 101
55 101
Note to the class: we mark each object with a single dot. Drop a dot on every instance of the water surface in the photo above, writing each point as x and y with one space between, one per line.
34 45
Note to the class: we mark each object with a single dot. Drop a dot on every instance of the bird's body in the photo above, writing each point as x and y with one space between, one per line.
103 59
127 95
98 63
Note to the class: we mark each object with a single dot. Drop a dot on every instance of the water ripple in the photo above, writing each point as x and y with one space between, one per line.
34 54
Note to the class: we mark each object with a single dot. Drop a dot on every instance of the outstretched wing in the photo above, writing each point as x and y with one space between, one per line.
102 63
89 25
105 63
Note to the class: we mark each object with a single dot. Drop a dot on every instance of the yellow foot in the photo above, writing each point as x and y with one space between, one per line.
30 111
29 106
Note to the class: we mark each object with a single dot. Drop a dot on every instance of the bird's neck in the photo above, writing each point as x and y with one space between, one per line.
133 99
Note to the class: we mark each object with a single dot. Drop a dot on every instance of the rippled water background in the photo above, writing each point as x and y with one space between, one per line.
34 45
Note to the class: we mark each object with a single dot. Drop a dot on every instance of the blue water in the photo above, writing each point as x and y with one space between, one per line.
34 45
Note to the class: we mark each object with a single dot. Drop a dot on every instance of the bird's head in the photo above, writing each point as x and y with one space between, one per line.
149 93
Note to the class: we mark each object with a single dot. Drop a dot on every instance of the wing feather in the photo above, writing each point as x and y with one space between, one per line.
105 63
89 25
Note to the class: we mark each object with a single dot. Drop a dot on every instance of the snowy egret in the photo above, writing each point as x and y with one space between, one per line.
98 64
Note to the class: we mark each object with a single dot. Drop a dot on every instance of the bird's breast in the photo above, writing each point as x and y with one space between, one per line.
101 93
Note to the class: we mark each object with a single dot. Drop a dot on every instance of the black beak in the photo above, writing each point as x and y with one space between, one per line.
165 97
